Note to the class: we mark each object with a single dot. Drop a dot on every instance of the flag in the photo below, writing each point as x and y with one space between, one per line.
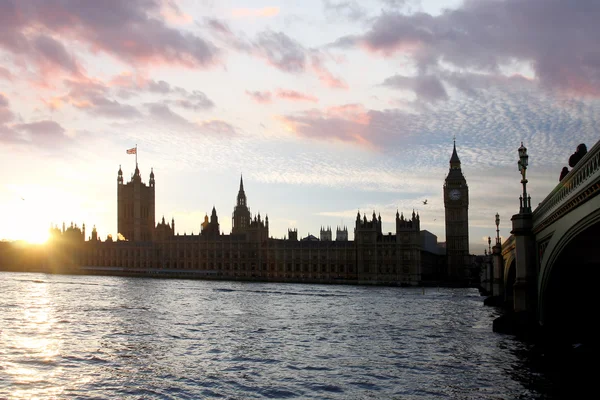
132 150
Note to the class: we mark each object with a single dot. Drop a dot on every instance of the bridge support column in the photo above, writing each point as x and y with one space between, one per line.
525 287
521 320
496 279
498 270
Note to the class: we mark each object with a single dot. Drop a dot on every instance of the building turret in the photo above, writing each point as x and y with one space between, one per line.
406 224
341 234
325 234
211 230
214 219
367 231
151 177
241 212
120 176
163 231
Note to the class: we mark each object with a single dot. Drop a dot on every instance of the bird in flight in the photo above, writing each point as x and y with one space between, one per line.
425 201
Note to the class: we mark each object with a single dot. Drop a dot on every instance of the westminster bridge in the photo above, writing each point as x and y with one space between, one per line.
546 272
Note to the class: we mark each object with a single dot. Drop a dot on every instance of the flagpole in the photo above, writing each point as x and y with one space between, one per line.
136 156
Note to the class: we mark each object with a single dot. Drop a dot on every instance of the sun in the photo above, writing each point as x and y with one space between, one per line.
27 218
27 228
37 237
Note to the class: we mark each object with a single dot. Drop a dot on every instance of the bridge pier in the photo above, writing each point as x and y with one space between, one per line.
521 316
495 282
525 287
498 271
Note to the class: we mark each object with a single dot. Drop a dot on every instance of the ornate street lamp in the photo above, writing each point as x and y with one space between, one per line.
523 162
497 229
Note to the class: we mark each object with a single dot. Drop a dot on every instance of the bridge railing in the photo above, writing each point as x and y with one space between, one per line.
586 172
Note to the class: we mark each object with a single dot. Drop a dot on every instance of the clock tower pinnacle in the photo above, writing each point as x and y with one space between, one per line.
456 204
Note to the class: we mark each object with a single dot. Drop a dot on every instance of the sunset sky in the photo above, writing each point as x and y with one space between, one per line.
326 107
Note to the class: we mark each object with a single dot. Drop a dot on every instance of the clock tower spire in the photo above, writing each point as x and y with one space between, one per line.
456 204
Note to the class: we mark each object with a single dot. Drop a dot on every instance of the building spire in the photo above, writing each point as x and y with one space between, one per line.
454 160
241 197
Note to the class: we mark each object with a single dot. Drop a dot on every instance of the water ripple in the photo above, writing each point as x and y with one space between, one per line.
108 337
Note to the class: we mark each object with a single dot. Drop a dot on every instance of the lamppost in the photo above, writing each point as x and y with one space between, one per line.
525 201
489 245
497 229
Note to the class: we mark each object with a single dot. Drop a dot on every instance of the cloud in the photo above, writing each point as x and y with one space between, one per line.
54 55
5 74
133 32
426 87
195 101
5 114
348 123
488 125
217 127
93 98
45 128
45 133
348 9
162 112
171 12
131 85
163 115
255 12
293 95
281 51
324 75
260 97
556 38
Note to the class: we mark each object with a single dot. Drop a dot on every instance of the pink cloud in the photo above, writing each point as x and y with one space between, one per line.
266 97
293 95
347 123
171 12
132 31
326 77
260 97
5 74
255 12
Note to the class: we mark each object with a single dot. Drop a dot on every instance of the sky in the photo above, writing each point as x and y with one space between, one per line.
326 107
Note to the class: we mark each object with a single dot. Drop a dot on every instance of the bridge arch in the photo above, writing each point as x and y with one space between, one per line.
569 271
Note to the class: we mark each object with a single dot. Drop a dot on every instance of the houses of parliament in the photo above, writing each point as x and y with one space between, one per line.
407 257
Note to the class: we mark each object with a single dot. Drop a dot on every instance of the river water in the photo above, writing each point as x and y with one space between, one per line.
111 337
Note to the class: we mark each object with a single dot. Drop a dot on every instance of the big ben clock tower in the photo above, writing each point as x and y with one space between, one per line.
456 204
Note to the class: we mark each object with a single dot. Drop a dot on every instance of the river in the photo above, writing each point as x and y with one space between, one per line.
100 337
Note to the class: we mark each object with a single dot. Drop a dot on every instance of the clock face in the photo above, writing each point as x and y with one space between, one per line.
454 194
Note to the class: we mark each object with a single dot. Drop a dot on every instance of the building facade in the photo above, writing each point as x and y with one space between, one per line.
248 253
456 204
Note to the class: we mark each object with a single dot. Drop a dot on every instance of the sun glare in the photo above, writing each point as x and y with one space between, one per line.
29 219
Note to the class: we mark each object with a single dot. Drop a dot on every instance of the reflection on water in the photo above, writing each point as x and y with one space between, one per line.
109 337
